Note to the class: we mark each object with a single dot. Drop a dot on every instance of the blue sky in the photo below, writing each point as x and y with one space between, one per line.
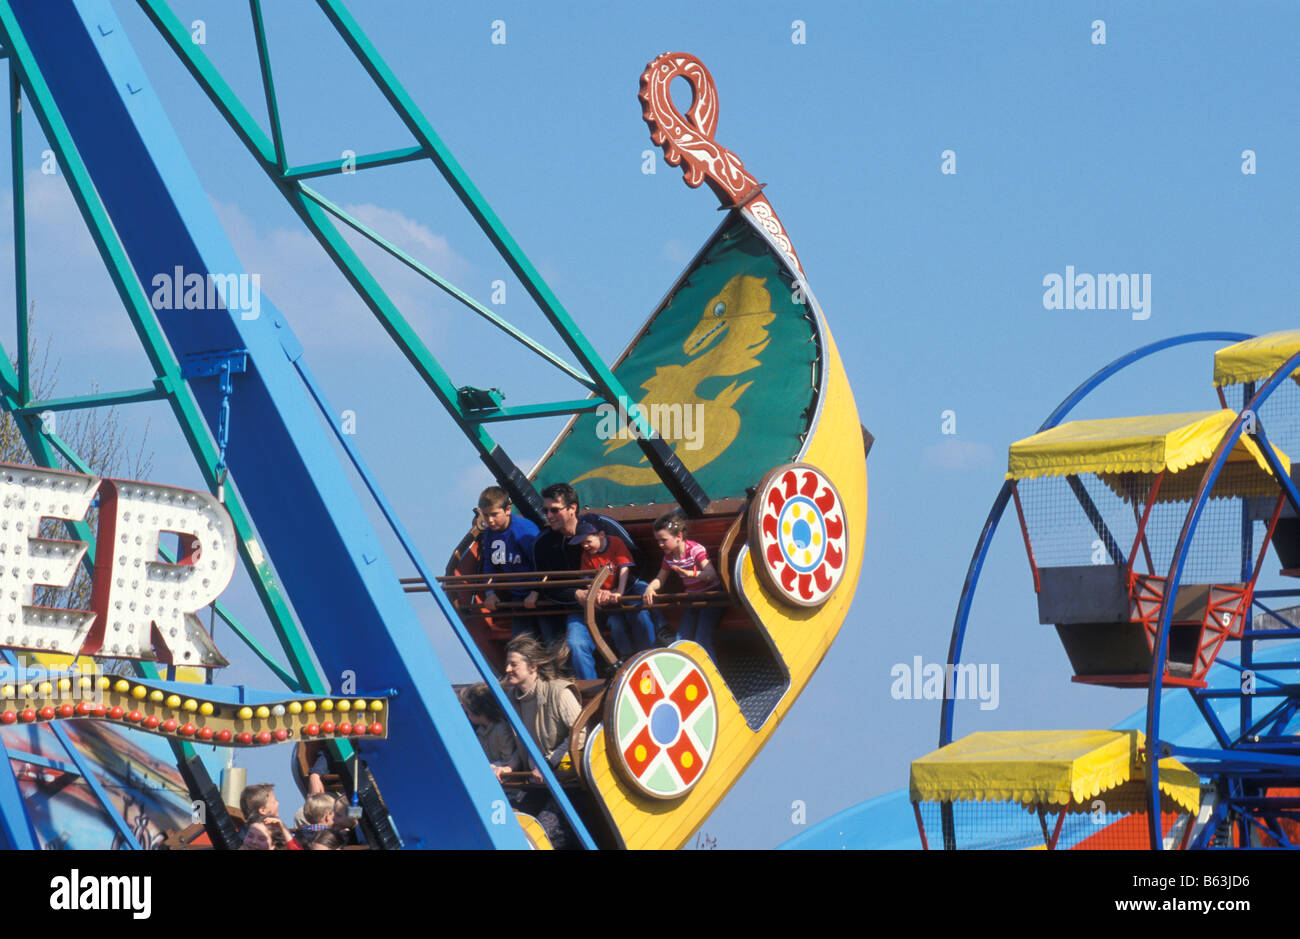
1117 158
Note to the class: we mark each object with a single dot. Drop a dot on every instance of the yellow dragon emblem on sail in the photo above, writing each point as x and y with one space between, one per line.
726 341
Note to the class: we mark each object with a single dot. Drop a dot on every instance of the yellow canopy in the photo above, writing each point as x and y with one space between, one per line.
1144 445
1069 768
1255 359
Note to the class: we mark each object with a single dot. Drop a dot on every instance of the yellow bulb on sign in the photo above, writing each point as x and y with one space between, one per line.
206 708
309 707
359 704
327 705
191 705
173 700
122 686
103 683
155 696
45 687
263 711
65 684
28 691
245 713
139 691
376 705
344 706
295 707
8 691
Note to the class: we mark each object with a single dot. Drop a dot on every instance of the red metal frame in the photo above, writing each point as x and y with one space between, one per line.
1141 537
1024 530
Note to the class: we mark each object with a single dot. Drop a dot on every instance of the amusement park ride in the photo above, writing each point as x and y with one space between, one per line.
777 493
1146 539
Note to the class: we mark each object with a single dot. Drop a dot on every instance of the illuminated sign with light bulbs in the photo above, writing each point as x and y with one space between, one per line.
141 607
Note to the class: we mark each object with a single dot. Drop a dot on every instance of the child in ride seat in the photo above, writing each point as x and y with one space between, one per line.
261 812
689 560
318 816
506 547
600 550
494 733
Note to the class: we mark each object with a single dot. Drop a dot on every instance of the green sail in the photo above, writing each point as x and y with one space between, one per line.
726 372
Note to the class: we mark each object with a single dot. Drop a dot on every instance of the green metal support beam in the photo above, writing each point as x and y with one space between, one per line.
331 239
526 411
369 161
268 84
102 399
678 479
445 285
20 231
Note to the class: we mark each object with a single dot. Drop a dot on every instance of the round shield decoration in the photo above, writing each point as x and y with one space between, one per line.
798 535
661 723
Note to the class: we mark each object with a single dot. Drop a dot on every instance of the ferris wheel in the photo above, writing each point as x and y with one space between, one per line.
1146 538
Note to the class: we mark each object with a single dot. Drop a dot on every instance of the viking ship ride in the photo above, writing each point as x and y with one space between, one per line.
730 403
740 347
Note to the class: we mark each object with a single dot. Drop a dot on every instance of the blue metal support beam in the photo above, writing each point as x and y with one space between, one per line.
431 770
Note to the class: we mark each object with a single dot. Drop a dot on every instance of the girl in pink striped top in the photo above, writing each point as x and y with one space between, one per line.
689 560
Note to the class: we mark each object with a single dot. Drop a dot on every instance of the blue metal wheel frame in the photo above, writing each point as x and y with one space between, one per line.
947 713
1242 762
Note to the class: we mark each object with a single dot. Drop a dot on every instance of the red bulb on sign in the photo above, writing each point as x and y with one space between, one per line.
345 728
84 708
169 725
264 737
152 721
245 738
281 734
223 735
187 730
311 730
115 713
359 728
376 729
327 727
135 717
99 710
205 733
47 713
8 717
67 710
27 715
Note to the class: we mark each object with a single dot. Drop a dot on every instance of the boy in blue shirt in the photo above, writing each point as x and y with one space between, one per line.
506 547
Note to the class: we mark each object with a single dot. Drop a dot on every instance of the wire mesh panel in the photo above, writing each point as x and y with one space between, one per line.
1077 520
1012 826
1279 415
1091 519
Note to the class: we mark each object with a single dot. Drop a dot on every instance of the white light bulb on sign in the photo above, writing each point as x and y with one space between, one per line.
150 603
27 495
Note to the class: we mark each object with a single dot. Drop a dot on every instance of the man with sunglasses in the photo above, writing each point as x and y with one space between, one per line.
553 552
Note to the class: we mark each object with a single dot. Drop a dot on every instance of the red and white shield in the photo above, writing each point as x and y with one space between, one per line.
661 723
798 535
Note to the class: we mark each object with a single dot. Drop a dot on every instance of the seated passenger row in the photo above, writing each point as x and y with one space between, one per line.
511 544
